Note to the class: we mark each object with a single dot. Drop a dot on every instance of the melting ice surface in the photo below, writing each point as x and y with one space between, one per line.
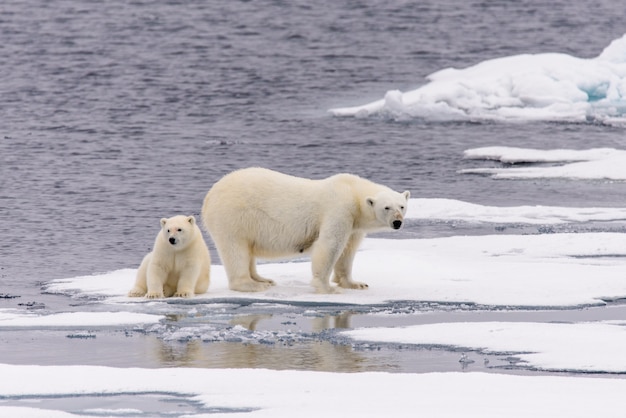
547 86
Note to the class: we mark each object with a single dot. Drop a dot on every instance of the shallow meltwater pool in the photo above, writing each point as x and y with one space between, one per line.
296 337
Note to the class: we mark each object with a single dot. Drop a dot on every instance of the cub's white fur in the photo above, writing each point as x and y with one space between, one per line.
179 263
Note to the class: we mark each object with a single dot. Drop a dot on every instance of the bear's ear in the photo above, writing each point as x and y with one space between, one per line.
370 201
163 222
191 220
406 194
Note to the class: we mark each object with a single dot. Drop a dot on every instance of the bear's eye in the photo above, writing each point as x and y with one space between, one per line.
387 208
180 230
401 207
168 231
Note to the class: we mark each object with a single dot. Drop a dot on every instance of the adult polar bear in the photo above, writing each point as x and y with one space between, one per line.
259 213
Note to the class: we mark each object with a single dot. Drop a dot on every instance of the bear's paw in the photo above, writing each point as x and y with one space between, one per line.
184 294
250 286
136 292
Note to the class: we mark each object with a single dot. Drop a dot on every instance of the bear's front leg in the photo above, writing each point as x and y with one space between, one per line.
326 251
187 282
156 278
343 267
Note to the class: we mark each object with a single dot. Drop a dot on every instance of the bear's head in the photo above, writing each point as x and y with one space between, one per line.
389 207
179 230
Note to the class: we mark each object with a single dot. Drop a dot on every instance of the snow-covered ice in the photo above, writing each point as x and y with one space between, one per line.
568 269
267 393
581 347
547 86
457 210
11 318
498 270
598 163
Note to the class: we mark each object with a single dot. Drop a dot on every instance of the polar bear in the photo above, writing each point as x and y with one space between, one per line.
259 213
179 263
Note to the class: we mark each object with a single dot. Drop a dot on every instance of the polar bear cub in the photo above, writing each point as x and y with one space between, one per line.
179 263
259 213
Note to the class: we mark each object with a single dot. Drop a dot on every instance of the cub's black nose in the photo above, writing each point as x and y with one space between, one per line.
173 240
397 224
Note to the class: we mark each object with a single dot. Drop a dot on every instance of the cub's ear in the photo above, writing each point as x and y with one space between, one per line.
370 201
163 222
406 194
191 220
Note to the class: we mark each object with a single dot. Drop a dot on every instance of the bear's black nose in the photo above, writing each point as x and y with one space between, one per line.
397 224
173 240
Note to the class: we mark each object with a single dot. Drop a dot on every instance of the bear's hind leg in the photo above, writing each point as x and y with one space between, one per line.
141 282
256 276
204 280
236 259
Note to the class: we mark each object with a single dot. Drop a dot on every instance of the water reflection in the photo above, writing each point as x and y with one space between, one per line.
306 349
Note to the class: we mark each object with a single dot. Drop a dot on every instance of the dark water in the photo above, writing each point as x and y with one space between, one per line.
117 113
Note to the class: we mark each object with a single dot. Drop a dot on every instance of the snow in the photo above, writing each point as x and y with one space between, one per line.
586 347
598 163
547 86
238 392
15 318
456 210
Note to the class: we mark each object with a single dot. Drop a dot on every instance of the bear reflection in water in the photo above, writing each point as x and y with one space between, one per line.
305 351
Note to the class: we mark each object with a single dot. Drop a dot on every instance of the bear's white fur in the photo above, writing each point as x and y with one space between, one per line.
259 213
179 263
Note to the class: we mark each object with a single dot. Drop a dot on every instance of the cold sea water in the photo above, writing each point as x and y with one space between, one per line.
115 114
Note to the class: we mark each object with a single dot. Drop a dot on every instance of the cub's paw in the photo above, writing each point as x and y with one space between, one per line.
136 293
154 295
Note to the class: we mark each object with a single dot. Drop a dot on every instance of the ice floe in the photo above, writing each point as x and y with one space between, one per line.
239 392
580 347
569 269
598 163
457 210
546 86
24 319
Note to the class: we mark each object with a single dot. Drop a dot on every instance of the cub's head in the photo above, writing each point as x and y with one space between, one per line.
389 207
179 230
